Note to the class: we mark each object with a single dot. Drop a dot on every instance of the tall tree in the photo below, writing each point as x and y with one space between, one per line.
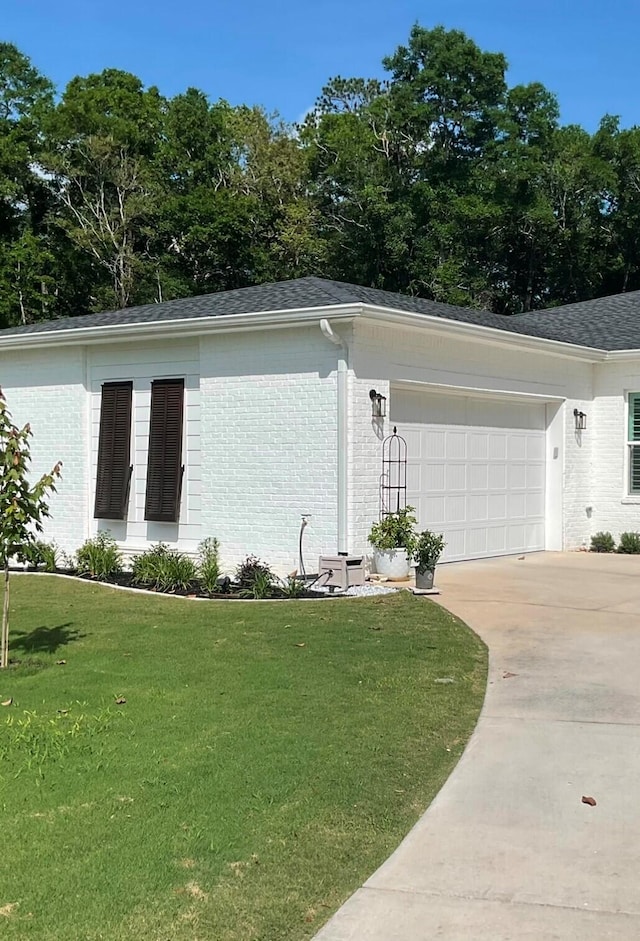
103 137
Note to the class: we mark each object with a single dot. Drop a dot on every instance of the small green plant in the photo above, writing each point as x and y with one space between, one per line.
427 550
629 543
99 557
209 564
603 542
164 569
395 531
261 587
292 586
48 556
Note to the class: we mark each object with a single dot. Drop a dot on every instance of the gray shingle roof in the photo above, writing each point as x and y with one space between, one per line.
607 323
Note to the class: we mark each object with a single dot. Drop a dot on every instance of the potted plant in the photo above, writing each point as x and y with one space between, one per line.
427 550
393 540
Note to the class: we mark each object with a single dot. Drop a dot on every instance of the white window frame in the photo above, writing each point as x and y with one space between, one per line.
630 444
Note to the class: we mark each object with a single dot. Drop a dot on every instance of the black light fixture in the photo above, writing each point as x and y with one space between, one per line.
378 404
580 420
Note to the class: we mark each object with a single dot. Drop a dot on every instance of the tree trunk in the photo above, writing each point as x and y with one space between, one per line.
4 644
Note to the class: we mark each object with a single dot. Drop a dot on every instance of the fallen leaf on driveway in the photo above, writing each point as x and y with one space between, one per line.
591 801
508 675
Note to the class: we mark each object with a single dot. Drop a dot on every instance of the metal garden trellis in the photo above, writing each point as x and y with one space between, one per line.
393 479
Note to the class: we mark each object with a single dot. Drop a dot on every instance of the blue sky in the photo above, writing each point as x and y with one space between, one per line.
279 53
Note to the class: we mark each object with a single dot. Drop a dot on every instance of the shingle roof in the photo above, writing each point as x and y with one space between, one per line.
607 323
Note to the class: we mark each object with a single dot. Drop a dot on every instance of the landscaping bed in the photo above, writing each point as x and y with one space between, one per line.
216 771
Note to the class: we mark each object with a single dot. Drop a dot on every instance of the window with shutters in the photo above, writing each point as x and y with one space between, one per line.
633 442
164 465
114 469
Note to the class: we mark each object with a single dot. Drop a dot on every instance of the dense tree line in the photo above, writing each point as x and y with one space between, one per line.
440 181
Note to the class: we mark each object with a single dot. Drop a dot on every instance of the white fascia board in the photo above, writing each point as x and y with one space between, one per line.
171 329
483 334
621 356
440 388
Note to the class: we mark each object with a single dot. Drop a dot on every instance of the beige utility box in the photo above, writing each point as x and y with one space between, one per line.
341 571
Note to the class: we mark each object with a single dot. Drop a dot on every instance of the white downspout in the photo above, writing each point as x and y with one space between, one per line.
343 440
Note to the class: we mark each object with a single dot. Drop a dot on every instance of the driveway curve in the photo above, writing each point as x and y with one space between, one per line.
508 850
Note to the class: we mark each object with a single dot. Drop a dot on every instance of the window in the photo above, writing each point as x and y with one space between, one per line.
633 442
164 465
114 469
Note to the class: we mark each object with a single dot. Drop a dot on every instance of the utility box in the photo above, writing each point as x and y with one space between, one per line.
341 571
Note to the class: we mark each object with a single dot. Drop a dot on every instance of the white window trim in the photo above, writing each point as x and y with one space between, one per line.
629 496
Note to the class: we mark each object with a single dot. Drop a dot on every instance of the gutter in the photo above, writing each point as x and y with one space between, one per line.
342 434
231 323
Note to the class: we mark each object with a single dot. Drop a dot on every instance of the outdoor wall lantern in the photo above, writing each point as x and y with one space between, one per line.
580 420
378 404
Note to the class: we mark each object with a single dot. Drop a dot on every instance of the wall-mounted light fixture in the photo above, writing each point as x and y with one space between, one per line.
580 420
378 404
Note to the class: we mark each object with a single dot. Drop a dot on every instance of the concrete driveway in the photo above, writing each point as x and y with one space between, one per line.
507 850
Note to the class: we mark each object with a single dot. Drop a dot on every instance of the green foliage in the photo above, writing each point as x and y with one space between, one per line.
99 557
427 550
48 556
163 569
602 542
629 543
209 564
255 579
395 531
23 507
440 181
292 586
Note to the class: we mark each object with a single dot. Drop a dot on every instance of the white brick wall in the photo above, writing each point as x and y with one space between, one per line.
269 444
47 389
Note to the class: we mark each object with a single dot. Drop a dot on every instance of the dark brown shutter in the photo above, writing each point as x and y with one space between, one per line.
114 451
164 466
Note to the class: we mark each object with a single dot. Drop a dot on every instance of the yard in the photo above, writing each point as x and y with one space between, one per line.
267 758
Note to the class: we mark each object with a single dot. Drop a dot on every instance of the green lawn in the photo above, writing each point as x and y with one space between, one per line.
268 758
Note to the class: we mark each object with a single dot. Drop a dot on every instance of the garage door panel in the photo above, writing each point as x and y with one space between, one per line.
482 486
478 477
455 476
478 507
456 445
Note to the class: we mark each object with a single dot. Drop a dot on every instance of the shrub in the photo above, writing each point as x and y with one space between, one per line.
602 542
164 569
262 586
427 550
99 557
629 543
209 564
251 569
395 531
48 556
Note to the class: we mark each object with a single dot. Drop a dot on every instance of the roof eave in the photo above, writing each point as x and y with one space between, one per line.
169 329
481 333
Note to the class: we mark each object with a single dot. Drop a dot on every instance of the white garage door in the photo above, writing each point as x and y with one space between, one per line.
475 471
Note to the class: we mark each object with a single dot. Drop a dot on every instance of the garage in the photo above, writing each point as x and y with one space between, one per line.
475 469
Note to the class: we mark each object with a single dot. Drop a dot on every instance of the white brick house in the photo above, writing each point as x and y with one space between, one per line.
276 419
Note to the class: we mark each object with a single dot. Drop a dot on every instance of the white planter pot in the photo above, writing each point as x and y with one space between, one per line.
394 563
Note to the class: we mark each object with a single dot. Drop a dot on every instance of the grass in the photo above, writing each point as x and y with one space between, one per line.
267 759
